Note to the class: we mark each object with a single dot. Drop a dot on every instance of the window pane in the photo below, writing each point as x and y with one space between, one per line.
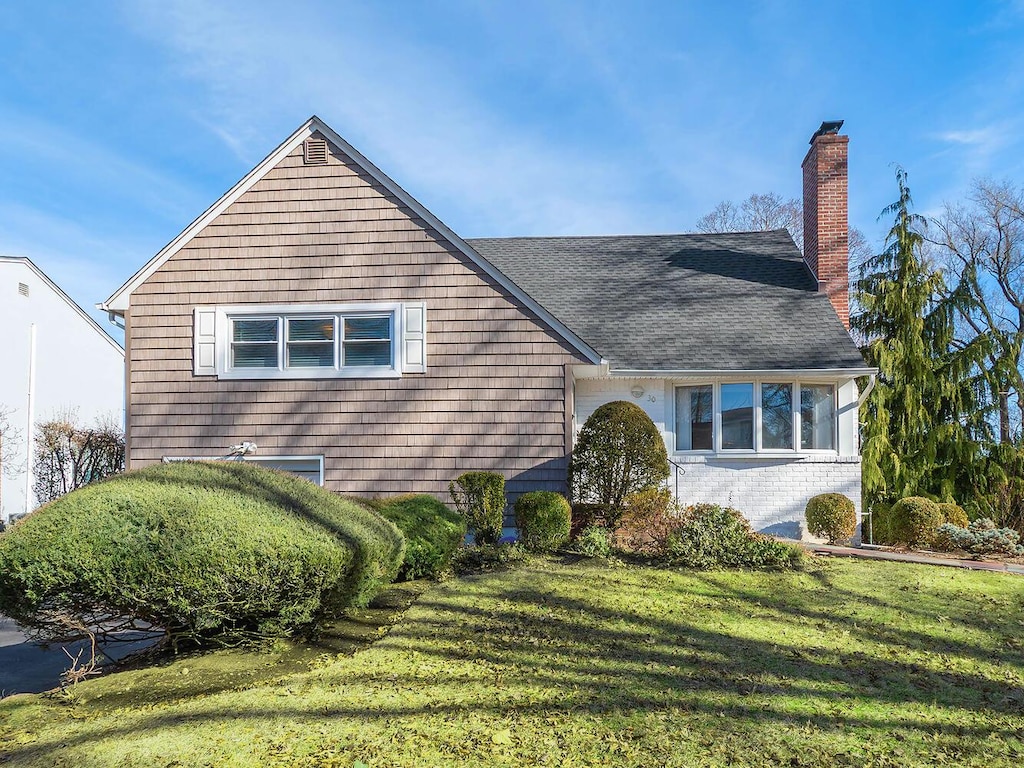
254 330
254 355
693 418
367 328
311 329
776 416
738 416
817 417
358 353
310 355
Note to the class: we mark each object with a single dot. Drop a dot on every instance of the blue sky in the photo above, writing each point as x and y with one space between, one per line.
122 121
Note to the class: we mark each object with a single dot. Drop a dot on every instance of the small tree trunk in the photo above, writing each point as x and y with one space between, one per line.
1004 417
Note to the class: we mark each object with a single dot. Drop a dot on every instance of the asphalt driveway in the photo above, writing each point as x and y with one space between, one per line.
26 667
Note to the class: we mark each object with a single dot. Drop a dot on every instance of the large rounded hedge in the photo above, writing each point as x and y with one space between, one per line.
197 548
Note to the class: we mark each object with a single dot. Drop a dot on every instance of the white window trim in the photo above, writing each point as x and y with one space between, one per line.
225 314
757 451
254 460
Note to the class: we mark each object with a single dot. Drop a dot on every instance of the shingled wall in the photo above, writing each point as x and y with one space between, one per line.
493 397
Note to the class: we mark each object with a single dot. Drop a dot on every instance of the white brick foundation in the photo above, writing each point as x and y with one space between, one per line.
772 493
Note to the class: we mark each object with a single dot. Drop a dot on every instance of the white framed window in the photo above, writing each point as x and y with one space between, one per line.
755 417
379 340
309 467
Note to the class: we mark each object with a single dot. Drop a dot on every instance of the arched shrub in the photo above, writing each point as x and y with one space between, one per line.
195 549
543 519
832 516
618 452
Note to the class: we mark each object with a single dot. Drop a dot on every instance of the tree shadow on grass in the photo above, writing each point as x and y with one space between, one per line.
561 641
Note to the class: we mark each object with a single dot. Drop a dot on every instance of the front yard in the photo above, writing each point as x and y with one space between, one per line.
561 663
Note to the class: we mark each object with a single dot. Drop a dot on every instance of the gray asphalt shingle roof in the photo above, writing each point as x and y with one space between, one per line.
738 301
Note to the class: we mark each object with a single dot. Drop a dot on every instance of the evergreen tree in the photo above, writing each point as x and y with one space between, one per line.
923 419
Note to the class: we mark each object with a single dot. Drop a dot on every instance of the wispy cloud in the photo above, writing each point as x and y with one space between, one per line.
404 104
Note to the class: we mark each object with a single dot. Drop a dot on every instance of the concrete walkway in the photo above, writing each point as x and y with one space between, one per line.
871 553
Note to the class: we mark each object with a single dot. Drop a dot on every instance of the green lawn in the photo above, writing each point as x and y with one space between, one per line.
848 663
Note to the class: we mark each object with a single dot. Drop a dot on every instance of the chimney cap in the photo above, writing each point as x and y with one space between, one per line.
827 127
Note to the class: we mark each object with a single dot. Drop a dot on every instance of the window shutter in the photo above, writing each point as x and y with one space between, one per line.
414 338
204 351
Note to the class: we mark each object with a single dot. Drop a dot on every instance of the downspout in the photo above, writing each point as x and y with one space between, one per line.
872 378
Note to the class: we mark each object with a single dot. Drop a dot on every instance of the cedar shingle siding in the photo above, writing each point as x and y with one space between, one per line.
493 396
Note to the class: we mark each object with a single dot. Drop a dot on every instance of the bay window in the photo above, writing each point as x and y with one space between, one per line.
755 416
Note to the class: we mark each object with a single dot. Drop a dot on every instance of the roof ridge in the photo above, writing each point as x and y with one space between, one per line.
611 237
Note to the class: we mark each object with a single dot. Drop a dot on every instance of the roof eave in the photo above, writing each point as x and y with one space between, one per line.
677 373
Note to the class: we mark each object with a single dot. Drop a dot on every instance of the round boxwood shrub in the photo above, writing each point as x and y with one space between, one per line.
832 516
619 451
432 533
543 519
913 520
953 514
196 549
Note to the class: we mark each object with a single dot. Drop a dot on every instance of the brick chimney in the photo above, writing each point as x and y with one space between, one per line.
826 226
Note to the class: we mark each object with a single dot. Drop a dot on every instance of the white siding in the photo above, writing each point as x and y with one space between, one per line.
77 369
771 490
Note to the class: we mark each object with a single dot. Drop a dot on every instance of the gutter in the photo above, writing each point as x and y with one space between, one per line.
605 371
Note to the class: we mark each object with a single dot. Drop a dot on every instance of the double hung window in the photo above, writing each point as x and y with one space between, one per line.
295 342
311 341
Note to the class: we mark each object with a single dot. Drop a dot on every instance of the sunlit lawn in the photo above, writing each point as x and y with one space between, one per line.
849 663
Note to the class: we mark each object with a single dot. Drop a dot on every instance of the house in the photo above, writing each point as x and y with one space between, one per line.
57 361
321 312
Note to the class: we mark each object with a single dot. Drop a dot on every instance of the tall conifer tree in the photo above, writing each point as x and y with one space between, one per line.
920 419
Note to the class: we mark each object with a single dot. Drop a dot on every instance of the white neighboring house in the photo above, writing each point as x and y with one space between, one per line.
76 366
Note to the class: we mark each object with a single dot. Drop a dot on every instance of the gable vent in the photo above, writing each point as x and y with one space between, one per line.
23 289
315 151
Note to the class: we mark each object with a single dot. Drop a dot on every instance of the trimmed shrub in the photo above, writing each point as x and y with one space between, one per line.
980 537
196 549
619 451
543 519
913 521
432 533
720 537
832 516
650 517
593 541
954 514
480 498
488 557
